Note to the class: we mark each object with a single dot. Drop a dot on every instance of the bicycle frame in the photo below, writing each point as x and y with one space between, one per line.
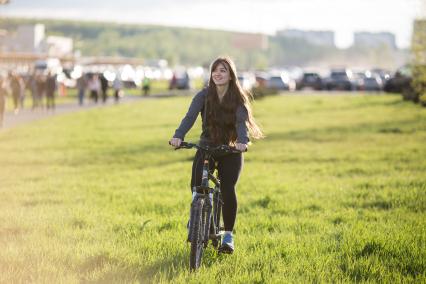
206 206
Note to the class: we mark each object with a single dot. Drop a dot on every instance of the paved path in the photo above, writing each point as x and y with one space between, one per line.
27 115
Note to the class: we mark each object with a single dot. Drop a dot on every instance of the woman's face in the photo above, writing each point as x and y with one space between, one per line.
221 75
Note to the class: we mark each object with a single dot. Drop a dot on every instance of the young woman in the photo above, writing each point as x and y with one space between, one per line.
226 119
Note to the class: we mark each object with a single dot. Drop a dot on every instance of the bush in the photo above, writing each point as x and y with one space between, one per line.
422 99
260 92
418 82
418 46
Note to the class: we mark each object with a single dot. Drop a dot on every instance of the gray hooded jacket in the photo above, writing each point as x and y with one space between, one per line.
197 107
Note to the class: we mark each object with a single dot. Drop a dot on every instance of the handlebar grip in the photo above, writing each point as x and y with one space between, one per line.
176 147
184 145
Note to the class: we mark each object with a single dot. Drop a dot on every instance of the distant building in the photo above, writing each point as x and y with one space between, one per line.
321 38
247 41
374 40
58 46
29 38
32 39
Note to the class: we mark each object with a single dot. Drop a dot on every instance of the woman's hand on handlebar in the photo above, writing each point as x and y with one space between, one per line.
241 147
175 142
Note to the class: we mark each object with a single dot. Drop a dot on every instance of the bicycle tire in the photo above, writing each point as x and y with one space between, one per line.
197 234
216 216
219 212
214 231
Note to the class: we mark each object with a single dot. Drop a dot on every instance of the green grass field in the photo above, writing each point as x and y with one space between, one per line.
335 193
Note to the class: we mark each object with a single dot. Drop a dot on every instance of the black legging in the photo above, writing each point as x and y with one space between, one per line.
229 168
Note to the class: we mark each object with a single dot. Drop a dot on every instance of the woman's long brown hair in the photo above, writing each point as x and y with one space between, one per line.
221 116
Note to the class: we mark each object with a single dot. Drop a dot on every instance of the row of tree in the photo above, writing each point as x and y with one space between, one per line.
418 47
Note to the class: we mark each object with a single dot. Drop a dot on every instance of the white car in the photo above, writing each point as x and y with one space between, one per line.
281 81
247 80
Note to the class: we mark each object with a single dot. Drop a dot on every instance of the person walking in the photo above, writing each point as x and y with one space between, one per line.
4 89
94 87
32 85
50 91
117 85
146 85
24 80
226 119
16 86
81 87
104 87
173 82
41 89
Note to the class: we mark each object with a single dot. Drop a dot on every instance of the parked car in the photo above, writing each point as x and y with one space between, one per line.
127 75
358 80
372 82
281 81
309 80
340 79
180 80
247 80
384 74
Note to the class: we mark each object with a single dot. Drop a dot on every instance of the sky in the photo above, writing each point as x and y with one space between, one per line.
344 17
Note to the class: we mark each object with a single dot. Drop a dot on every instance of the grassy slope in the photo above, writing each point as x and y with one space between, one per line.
335 193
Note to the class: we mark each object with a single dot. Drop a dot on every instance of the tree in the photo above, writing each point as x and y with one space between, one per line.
418 48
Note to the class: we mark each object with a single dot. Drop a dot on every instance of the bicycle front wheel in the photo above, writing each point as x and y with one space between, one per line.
197 233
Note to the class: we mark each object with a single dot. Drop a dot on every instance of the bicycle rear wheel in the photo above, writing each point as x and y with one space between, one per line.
215 229
196 233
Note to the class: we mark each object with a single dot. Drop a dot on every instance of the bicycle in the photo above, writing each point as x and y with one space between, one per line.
205 215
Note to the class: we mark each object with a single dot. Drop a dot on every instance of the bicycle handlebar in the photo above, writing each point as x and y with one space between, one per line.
221 148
